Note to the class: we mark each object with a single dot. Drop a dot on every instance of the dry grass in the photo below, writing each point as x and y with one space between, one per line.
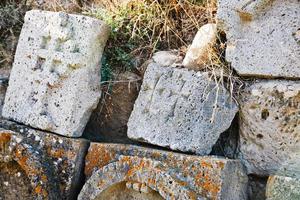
141 27
11 20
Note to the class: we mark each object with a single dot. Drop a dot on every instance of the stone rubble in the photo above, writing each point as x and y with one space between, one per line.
171 175
180 109
61 86
54 87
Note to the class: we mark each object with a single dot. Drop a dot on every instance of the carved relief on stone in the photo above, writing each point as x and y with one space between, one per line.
54 84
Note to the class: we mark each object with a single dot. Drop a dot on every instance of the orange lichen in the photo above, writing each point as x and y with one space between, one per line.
5 137
4 140
206 164
40 191
56 153
220 165
97 157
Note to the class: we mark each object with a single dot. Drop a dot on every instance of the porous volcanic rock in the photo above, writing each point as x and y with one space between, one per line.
269 125
263 36
180 109
55 80
170 175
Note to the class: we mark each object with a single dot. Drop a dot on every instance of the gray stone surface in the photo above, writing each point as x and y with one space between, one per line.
180 109
263 36
54 83
169 175
281 187
269 125
198 53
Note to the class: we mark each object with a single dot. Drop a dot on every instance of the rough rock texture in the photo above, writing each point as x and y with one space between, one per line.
269 125
180 109
172 175
198 53
263 36
52 164
14 184
280 187
3 87
54 83
108 122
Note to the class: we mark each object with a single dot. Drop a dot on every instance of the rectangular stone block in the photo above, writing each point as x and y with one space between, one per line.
281 187
263 37
51 165
269 125
167 175
54 82
180 109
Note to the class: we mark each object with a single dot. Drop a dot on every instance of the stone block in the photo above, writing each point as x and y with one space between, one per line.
269 125
55 80
198 53
281 187
263 36
159 174
180 109
51 166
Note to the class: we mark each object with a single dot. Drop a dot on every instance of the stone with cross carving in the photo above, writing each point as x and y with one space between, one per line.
54 83
181 109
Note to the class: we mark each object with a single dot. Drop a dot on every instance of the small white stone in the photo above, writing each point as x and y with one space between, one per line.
37 138
198 52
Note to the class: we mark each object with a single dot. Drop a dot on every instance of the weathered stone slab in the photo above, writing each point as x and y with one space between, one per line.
50 163
263 36
166 175
180 109
54 83
281 187
198 53
269 125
